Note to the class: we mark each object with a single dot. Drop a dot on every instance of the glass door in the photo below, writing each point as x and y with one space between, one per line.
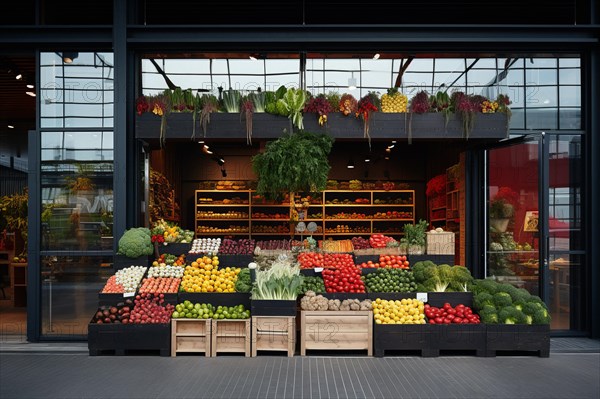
515 239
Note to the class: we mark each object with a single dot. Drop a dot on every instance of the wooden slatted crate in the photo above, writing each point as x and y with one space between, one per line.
273 333
230 336
191 336
336 330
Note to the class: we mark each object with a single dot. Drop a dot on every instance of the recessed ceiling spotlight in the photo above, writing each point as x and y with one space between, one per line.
19 77
388 149
376 56
367 159
393 141
200 141
209 152
30 93
30 86
387 158
350 164
391 146
11 127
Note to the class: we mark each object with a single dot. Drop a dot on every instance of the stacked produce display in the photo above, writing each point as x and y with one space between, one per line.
324 277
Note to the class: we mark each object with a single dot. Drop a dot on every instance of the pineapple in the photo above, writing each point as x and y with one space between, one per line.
394 101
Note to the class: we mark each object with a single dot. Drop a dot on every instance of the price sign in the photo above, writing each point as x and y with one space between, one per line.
128 294
318 269
422 296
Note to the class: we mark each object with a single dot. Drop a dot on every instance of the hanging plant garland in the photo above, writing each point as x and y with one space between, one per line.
366 106
247 110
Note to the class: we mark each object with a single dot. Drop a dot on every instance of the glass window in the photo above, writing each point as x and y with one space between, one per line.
70 286
79 93
77 196
566 283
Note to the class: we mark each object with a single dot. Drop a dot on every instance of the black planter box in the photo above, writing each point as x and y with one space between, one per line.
518 338
266 307
437 259
391 296
123 338
112 299
460 337
438 299
235 260
175 248
358 259
310 273
490 126
368 270
404 337
122 261
216 298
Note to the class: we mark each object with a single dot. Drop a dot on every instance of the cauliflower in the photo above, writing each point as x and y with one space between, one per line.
345 305
310 301
334 304
355 304
136 242
366 305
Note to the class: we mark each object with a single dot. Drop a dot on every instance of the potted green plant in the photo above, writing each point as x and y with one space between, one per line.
502 208
296 162
13 216
414 238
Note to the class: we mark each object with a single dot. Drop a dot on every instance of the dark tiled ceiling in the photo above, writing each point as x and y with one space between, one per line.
16 107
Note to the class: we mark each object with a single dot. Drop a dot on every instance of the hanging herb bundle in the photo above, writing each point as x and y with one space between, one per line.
348 104
441 103
466 107
295 162
247 112
320 106
208 105
141 105
366 106
420 104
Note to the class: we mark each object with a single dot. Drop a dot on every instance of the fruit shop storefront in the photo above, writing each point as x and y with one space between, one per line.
488 142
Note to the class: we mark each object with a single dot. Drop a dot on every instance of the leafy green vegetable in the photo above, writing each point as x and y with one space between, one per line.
291 105
244 282
259 100
231 100
280 282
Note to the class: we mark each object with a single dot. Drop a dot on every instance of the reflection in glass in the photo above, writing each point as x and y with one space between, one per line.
513 238
77 94
565 277
77 197
70 286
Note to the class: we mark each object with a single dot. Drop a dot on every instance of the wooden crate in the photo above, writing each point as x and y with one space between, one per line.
230 336
191 335
440 243
336 330
273 333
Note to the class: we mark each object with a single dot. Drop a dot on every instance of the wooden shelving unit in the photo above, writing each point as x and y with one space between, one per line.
18 284
395 207
230 336
273 333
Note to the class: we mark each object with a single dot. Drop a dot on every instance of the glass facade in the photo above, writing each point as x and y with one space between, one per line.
76 176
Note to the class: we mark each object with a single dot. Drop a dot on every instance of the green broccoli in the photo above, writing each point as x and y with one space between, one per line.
243 282
488 315
486 285
483 299
424 270
537 311
461 277
136 242
502 299
515 293
511 315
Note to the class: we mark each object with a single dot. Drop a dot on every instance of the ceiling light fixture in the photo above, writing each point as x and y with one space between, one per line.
19 77
11 127
30 86
350 164
391 146
352 82
252 57
376 56
393 141
387 158
69 57
388 149
30 93
367 159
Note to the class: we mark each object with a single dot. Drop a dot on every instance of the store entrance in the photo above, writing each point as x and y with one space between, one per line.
533 221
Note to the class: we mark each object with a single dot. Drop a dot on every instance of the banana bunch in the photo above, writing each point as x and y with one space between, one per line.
394 101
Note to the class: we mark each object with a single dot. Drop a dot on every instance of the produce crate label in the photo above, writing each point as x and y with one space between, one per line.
318 269
128 294
422 296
